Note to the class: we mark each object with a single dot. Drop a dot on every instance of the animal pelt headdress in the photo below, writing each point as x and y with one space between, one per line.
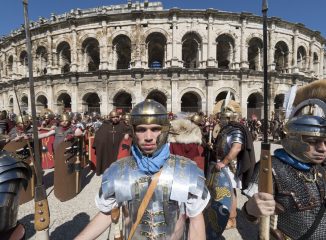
184 131
315 89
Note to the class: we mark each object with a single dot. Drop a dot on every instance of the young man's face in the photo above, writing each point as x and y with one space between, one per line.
317 149
65 123
147 135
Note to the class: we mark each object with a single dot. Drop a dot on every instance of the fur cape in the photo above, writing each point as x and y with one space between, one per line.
184 131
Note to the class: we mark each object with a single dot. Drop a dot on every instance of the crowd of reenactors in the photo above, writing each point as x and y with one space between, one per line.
222 142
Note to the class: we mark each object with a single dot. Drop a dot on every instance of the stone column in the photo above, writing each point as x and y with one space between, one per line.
321 61
50 53
271 50
295 52
75 59
175 59
243 46
175 104
211 46
104 48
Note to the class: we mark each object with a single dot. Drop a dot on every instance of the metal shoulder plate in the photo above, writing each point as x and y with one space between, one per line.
117 179
187 178
236 136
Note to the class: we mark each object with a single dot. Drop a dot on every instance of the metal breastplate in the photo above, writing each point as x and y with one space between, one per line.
177 181
13 174
300 194
227 136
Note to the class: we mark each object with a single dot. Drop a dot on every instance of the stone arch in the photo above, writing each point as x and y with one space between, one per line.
302 58
254 35
315 62
121 45
281 56
255 54
63 101
23 63
63 51
41 102
91 102
278 104
158 96
191 101
255 104
156 44
158 30
58 41
121 32
122 90
11 103
41 60
225 48
24 103
191 49
98 36
10 64
222 96
225 90
91 54
122 101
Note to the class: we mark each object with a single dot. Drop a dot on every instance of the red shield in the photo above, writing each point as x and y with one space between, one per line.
47 151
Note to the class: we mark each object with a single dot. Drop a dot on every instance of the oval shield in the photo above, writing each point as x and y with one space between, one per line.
218 212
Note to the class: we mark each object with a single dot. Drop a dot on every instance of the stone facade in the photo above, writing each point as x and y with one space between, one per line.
116 56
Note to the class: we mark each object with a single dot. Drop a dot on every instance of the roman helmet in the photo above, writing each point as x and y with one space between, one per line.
151 112
227 109
113 114
197 119
66 117
306 119
22 119
126 118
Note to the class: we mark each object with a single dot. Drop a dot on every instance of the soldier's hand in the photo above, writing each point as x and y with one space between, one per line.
78 132
126 136
219 166
261 204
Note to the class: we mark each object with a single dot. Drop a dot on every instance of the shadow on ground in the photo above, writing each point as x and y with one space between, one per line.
72 228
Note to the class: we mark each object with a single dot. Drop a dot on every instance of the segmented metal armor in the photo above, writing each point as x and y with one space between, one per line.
180 178
227 136
13 175
301 193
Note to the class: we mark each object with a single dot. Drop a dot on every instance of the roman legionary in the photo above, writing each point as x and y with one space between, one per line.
107 141
234 151
299 172
173 185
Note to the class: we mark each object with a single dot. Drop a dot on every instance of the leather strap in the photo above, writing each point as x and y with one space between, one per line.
145 202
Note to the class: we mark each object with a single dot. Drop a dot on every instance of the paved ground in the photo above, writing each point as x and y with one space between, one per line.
70 217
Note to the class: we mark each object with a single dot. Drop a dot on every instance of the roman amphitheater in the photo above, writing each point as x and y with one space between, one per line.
112 57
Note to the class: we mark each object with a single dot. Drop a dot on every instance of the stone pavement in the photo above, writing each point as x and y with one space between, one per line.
70 217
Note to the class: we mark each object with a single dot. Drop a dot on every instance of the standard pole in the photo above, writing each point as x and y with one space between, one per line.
42 213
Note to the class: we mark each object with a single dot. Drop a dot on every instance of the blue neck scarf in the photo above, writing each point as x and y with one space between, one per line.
285 157
151 165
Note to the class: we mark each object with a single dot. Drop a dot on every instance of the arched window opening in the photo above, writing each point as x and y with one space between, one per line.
122 52
91 103
191 48
91 51
156 47
191 102
157 96
255 54
122 102
255 105
41 60
224 51
64 103
281 57
64 57
302 59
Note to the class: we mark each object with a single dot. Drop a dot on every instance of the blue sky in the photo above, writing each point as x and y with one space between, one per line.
311 13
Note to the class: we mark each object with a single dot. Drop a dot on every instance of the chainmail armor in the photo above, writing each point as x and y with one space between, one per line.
301 199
